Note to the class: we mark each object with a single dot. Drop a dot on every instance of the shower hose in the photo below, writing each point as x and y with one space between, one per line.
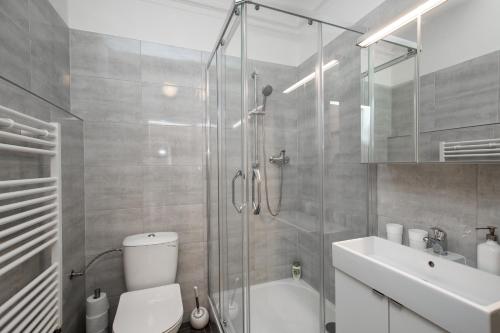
278 208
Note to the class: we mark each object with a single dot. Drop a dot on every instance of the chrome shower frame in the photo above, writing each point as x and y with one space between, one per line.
239 8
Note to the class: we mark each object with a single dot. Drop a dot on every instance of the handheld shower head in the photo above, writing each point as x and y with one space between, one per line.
266 91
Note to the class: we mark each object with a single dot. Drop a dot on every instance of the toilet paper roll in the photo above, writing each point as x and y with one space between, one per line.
97 324
97 306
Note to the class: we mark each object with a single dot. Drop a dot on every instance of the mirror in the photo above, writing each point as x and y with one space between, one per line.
459 79
389 97
458 92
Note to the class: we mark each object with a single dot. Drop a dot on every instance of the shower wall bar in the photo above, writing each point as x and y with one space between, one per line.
38 306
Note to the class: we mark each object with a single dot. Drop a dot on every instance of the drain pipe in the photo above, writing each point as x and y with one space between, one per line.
74 274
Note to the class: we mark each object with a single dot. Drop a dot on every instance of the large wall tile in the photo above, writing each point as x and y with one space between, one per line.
172 185
113 187
49 54
488 198
173 145
17 11
187 220
97 99
113 143
106 229
430 195
402 109
427 111
467 93
105 56
107 274
429 141
173 105
171 65
73 217
15 42
74 305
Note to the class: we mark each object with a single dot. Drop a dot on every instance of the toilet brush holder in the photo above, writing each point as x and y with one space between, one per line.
199 315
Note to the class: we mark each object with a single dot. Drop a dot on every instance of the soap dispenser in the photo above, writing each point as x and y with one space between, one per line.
488 253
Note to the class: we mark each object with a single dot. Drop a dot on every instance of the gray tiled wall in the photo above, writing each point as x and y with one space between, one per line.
273 245
34 54
142 105
461 102
34 44
457 198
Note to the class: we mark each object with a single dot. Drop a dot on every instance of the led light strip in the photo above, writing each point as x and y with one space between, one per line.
373 37
310 77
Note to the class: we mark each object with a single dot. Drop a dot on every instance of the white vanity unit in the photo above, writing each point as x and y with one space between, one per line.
383 287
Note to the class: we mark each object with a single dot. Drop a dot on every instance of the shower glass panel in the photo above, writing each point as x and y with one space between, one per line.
345 182
212 171
231 158
284 219
287 115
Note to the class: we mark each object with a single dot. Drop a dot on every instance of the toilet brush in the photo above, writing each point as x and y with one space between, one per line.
199 315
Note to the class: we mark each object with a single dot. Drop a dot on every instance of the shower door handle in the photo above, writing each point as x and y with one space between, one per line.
256 181
239 208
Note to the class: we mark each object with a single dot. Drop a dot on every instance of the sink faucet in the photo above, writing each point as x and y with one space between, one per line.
438 240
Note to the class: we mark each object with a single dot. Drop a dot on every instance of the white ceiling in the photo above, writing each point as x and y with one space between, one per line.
196 23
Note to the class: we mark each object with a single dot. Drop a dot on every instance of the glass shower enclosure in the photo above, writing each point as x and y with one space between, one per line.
284 178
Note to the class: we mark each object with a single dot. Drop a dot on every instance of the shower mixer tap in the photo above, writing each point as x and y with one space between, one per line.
280 160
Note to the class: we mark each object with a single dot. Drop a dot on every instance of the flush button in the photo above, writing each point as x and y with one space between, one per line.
151 235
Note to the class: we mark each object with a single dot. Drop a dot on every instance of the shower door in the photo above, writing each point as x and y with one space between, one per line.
232 178
287 230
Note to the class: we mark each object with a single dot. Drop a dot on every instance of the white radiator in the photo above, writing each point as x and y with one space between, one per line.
30 222
474 150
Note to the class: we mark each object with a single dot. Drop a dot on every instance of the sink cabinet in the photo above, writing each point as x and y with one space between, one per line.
360 308
455 297
403 320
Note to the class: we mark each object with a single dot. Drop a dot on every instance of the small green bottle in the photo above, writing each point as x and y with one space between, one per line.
296 270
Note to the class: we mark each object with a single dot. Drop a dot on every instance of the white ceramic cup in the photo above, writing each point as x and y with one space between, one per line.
416 238
394 232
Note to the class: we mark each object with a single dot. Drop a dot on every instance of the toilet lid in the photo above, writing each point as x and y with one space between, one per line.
152 310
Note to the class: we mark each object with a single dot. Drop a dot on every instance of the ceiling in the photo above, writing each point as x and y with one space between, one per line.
341 12
285 27
196 24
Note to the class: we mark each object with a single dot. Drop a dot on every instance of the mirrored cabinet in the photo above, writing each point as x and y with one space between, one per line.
431 92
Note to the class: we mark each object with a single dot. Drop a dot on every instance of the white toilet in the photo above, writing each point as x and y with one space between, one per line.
152 303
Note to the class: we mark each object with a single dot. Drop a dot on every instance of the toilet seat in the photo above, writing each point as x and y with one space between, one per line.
153 310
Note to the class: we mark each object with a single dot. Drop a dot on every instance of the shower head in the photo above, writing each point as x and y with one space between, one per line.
266 91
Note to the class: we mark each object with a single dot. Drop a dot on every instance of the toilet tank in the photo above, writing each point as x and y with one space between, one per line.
150 260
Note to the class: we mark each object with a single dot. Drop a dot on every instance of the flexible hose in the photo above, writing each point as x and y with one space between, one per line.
74 274
278 208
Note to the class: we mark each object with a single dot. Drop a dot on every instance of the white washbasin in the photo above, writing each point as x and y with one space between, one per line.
456 297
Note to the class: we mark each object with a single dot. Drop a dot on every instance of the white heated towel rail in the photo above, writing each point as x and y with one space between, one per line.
472 150
30 222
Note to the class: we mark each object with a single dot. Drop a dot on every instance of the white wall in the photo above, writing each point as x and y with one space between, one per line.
459 30
61 6
173 23
147 20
